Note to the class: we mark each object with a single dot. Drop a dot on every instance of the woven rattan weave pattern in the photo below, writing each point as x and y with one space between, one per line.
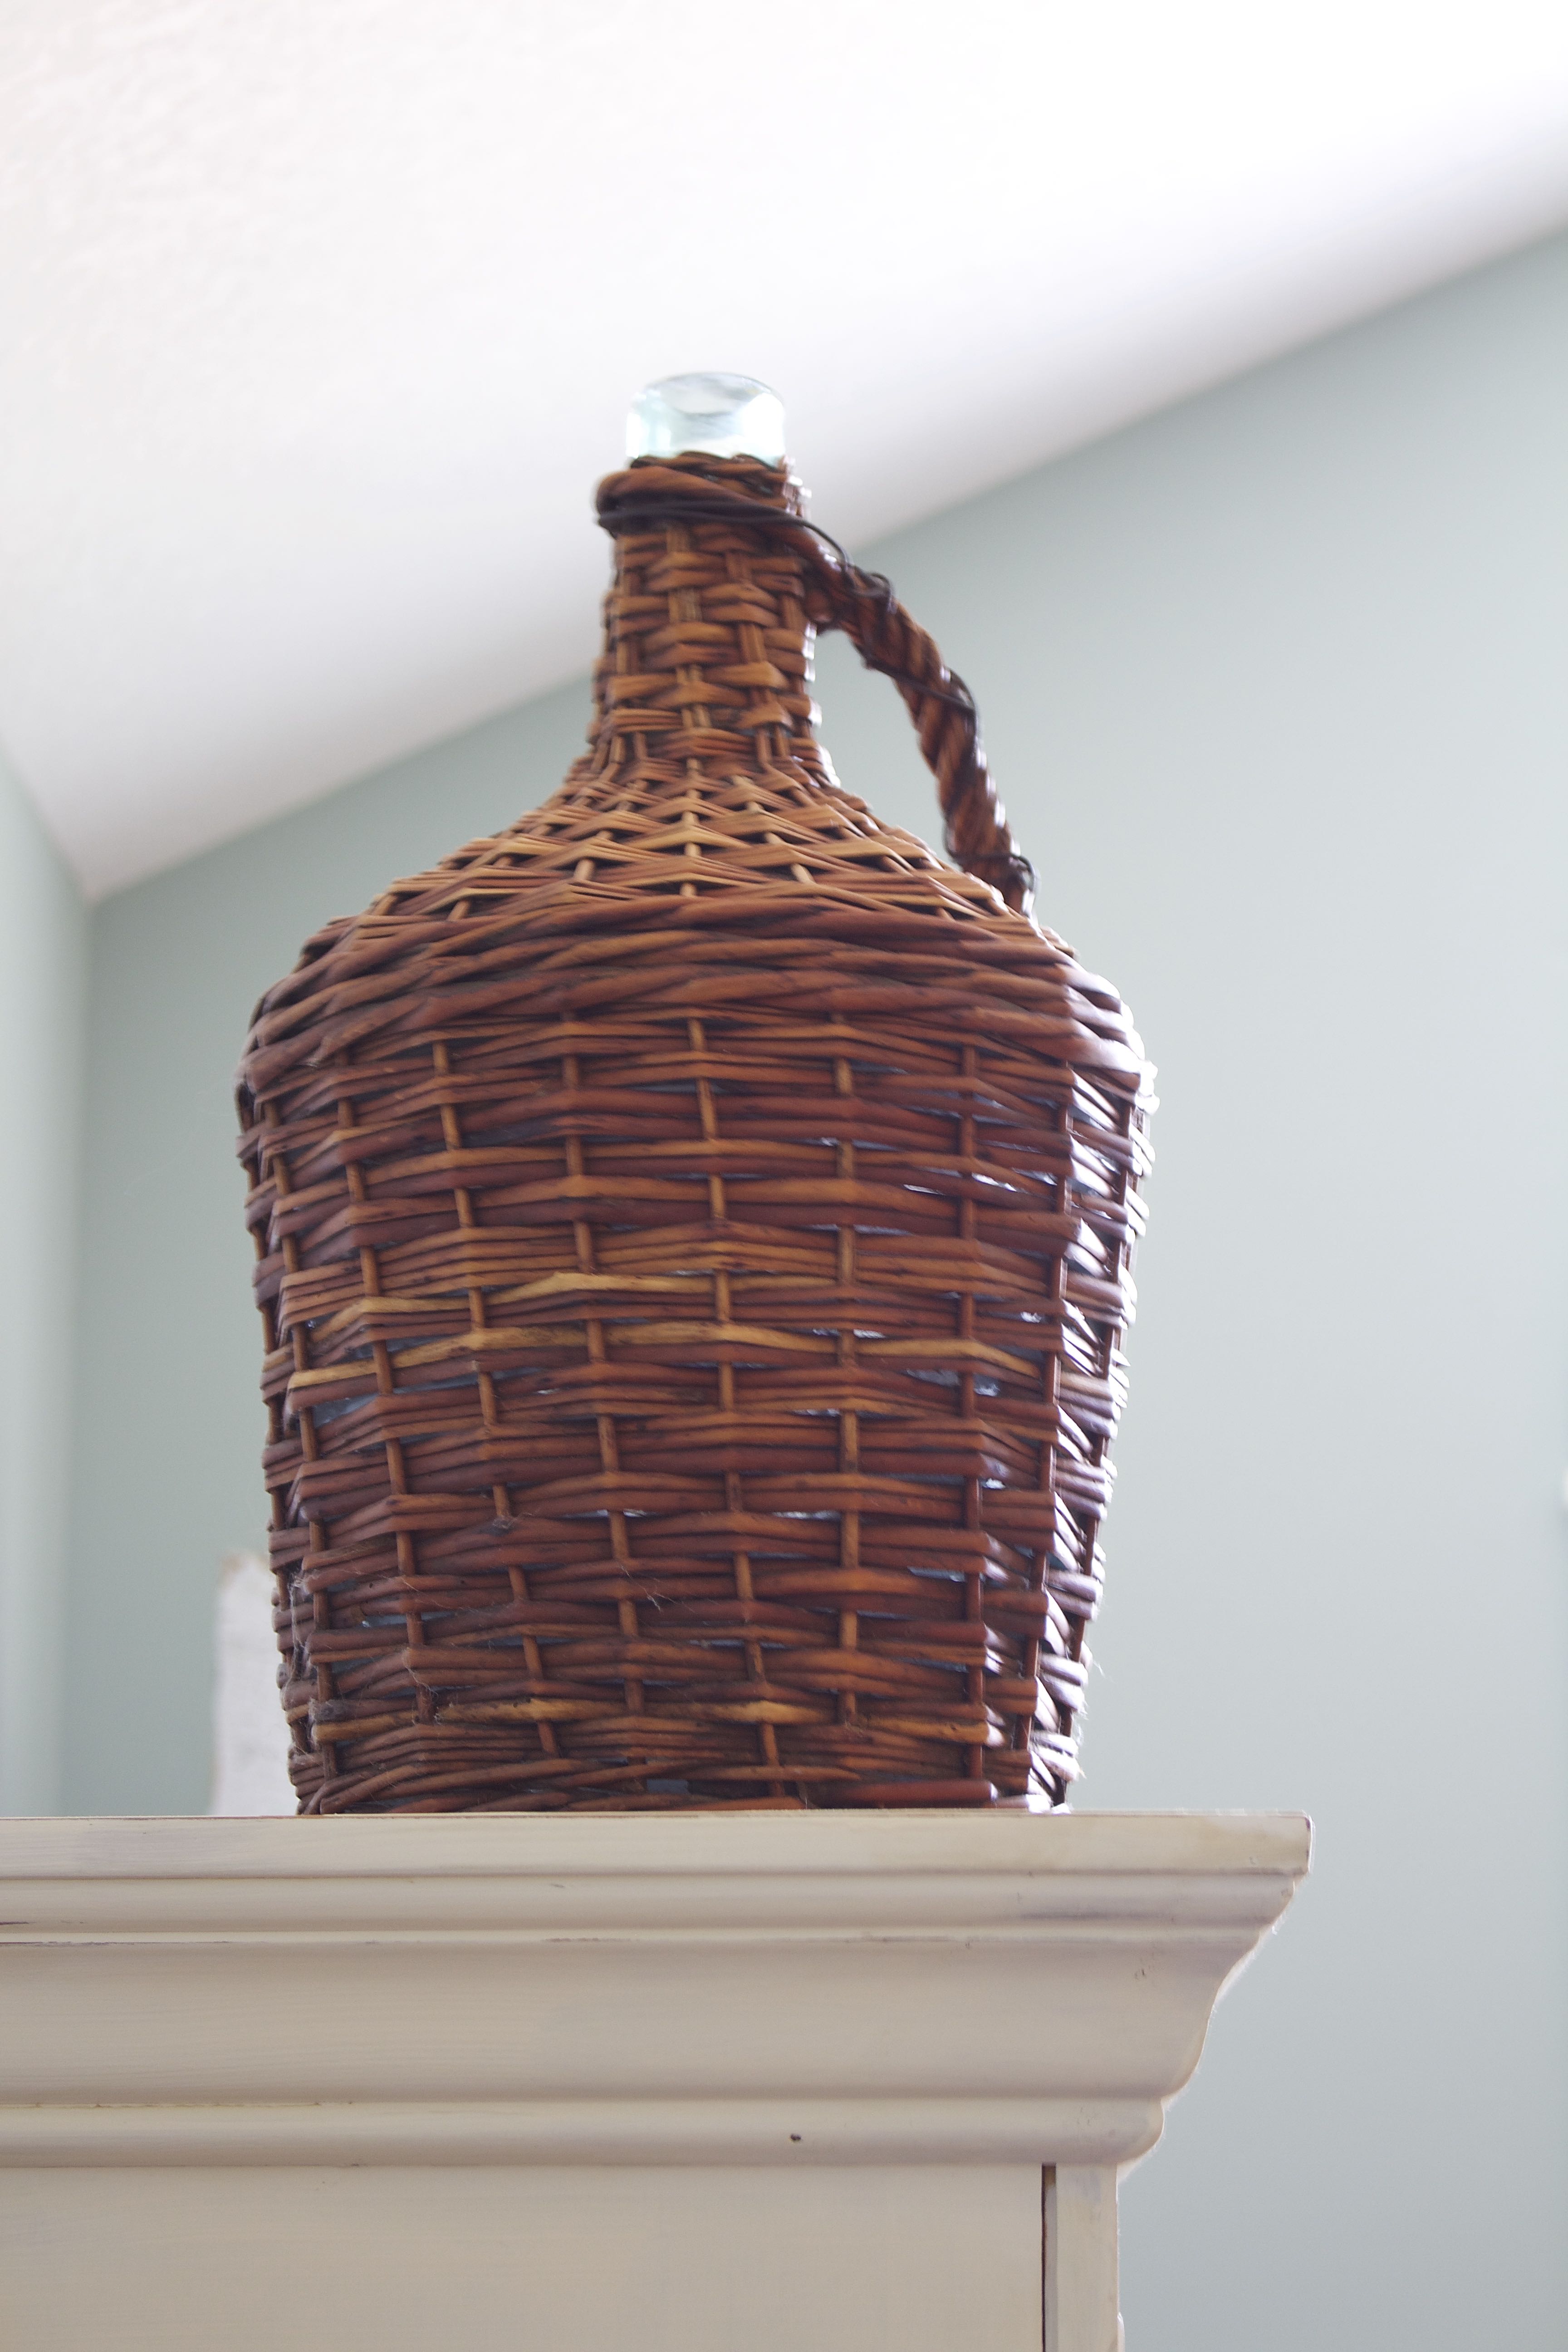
693 1232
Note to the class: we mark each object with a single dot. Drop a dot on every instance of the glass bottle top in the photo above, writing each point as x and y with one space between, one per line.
721 415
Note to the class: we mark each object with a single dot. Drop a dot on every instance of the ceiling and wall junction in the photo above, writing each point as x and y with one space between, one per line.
319 322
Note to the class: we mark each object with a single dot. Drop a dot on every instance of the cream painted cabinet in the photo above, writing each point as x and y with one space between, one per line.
723 2082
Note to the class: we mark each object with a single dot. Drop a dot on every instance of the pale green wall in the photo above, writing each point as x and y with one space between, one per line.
1276 683
43 988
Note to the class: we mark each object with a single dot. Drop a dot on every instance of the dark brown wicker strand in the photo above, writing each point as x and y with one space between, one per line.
693 1233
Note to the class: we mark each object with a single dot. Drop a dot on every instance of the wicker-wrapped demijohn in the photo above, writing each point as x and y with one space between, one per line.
693 1233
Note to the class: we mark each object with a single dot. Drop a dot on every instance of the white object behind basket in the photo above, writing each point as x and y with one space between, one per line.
250 1738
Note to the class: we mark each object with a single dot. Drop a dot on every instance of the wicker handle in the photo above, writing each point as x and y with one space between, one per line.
862 603
693 490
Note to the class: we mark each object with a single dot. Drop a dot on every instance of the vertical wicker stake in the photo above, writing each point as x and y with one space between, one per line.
693 1232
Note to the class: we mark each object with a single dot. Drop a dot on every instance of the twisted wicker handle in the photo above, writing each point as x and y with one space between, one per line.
861 603
974 822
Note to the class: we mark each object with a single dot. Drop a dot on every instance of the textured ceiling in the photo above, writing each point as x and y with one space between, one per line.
320 317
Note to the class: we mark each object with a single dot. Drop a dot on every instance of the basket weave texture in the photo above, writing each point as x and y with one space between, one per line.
693 1231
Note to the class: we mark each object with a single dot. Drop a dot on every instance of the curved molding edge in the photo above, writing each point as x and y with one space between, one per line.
588 2131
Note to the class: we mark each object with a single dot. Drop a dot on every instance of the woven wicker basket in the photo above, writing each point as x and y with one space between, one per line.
693 1232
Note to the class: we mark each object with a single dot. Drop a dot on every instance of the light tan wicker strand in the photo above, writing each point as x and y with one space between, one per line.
693 1232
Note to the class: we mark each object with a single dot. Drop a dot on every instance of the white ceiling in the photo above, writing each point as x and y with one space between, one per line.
320 317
